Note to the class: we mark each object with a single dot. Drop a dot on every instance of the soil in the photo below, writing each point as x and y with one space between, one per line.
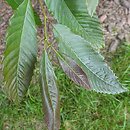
114 16
5 14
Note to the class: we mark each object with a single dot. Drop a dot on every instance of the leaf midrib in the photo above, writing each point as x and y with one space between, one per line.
53 107
20 47
78 23
85 37
81 61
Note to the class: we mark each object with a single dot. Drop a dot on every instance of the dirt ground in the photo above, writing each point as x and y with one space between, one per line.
115 18
5 14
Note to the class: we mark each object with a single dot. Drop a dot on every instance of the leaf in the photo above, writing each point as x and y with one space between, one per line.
74 14
15 3
91 6
100 77
20 53
1 78
50 94
74 72
1 73
37 18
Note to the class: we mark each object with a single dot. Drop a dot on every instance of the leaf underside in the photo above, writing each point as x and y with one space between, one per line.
100 76
74 72
20 53
74 14
50 94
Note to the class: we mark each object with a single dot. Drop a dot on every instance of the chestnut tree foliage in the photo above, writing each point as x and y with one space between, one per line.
79 37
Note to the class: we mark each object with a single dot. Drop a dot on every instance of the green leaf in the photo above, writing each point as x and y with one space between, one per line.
74 72
1 73
50 94
74 14
91 6
1 78
37 18
21 51
15 3
100 77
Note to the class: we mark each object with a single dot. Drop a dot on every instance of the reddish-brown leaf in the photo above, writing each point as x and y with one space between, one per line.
50 94
74 72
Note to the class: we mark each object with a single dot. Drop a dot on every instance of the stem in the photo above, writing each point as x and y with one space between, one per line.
46 42
45 25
